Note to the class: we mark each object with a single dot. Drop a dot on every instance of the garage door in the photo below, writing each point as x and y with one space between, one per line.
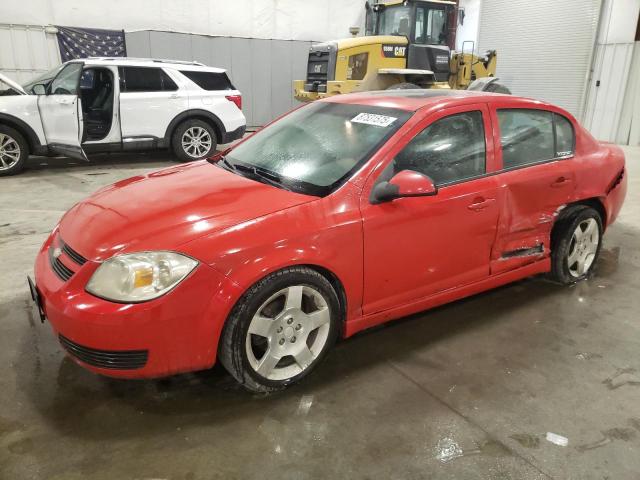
544 46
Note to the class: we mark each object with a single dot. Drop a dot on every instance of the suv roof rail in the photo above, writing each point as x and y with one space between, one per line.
154 60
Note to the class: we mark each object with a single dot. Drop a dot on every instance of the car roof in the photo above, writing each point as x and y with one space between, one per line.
414 99
149 62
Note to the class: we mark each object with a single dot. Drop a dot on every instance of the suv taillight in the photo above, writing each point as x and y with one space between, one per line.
237 99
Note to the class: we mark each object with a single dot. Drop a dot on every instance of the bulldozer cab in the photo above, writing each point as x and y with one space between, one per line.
429 27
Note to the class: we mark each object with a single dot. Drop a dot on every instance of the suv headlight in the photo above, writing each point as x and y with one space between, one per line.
138 277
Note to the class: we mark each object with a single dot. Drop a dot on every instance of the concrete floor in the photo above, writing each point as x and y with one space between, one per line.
468 390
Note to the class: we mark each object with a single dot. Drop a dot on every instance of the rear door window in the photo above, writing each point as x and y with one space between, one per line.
526 136
209 80
145 79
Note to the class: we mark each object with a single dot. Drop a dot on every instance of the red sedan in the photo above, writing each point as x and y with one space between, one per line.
343 214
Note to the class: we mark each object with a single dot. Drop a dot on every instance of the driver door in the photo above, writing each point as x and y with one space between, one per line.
61 113
419 246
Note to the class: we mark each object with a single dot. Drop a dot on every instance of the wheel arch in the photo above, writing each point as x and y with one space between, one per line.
24 129
197 114
593 202
327 273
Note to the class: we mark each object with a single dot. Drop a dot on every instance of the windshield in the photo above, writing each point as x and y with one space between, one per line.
44 78
316 148
394 21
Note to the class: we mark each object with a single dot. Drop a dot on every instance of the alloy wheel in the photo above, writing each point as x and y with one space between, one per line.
9 151
288 332
196 142
583 247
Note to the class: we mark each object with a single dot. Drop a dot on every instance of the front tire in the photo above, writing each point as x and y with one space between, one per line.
193 140
280 329
576 243
14 151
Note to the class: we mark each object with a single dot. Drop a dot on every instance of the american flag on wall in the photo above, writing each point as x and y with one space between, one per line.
90 42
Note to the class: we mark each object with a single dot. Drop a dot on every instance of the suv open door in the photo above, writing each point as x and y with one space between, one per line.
61 112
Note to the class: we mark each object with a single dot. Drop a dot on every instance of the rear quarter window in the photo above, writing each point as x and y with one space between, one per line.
565 137
209 80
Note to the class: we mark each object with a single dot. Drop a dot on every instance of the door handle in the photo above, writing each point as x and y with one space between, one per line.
560 182
481 203
63 101
173 95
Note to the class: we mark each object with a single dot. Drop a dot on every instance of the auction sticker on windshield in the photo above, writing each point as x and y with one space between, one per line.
373 119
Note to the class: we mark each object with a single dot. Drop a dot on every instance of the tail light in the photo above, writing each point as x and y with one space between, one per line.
237 99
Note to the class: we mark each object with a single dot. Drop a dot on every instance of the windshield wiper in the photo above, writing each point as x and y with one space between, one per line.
264 175
223 160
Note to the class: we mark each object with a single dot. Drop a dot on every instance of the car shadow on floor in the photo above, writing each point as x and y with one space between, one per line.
99 160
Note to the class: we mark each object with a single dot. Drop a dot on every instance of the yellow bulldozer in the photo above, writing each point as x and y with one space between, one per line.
407 45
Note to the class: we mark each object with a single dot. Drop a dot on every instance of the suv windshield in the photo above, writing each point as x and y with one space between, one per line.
44 78
316 148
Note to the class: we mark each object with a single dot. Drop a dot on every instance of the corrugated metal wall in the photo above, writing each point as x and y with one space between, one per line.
544 47
263 70
26 51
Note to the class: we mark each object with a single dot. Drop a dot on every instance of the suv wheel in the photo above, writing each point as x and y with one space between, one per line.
280 330
193 140
13 151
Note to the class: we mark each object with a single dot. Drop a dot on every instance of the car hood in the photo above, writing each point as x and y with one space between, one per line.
16 86
165 209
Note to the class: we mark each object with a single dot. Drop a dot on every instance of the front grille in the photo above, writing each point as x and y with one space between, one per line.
318 67
73 255
111 359
60 269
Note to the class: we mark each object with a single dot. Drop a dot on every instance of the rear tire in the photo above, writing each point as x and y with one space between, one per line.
403 86
576 242
280 330
193 140
14 151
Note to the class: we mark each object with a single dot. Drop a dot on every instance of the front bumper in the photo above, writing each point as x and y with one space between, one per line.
177 332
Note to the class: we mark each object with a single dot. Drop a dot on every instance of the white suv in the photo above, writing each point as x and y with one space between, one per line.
118 104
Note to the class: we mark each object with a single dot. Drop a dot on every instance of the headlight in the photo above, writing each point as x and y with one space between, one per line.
139 277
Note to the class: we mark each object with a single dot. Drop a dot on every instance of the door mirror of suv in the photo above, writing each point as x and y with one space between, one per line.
406 183
39 89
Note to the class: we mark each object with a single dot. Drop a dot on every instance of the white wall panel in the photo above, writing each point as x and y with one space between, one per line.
267 19
468 31
629 126
607 90
544 47
26 51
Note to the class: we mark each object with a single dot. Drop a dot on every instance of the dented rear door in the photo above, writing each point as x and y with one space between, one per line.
535 182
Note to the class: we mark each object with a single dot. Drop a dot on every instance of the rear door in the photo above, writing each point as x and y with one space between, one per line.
61 112
149 100
535 148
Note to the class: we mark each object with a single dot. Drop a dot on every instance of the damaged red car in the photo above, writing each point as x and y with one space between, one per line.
341 215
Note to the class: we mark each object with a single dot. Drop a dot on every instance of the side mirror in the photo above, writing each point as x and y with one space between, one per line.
406 183
39 89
